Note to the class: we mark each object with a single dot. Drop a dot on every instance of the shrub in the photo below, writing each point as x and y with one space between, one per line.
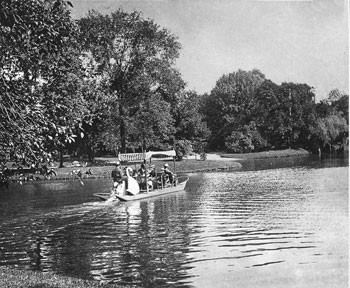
237 142
182 149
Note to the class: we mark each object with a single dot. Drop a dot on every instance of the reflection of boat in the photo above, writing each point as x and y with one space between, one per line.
156 192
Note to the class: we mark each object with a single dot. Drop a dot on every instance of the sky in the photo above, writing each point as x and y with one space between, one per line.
300 41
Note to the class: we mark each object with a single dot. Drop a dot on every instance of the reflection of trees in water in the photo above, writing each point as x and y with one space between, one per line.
150 246
58 245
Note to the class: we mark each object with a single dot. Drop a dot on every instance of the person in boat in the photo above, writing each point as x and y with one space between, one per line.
152 172
141 174
161 179
117 175
152 177
168 173
142 171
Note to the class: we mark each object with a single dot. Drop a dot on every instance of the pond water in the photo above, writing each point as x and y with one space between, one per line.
283 225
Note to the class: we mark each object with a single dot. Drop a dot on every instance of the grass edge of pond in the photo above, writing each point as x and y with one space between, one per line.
13 278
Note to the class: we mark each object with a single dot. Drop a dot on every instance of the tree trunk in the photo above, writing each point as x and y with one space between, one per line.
91 154
61 157
123 136
122 129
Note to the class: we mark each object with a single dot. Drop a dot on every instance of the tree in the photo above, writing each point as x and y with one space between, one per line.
189 118
330 130
34 45
153 123
340 103
228 107
332 124
271 114
134 59
302 113
285 114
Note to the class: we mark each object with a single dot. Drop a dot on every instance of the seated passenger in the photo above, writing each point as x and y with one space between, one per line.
169 173
152 177
152 171
141 178
141 172
117 175
118 178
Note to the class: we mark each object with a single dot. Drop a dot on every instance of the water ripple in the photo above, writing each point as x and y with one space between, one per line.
266 222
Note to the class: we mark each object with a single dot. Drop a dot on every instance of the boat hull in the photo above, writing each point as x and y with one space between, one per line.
157 192
104 196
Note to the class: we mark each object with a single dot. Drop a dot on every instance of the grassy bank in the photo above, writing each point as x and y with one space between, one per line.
12 278
267 154
217 162
185 166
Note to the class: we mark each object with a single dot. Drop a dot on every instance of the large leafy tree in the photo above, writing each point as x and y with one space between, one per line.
332 125
285 114
134 61
245 109
228 107
271 114
153 124
330 131
190 124
36 59
299 99
340 102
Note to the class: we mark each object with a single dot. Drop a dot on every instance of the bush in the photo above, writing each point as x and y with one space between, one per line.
247 140
259 143
237 142
182 149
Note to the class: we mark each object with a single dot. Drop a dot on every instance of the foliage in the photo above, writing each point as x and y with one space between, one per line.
227 108
182 148
340 104
284 115
302 114
35 60
329 129
247 140
108 82
271 114
133 58
152 124
332 126
237 142
189 119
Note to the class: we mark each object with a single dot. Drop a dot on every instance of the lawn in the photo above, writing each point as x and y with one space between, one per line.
185 166
267 154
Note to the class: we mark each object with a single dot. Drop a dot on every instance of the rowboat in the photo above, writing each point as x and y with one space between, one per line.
133 192
180 186
103 196
182 181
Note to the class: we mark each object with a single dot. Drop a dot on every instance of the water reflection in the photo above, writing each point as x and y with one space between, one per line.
281 227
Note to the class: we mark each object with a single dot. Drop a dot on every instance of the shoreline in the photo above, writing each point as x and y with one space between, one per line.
268 154
192 164
16 278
